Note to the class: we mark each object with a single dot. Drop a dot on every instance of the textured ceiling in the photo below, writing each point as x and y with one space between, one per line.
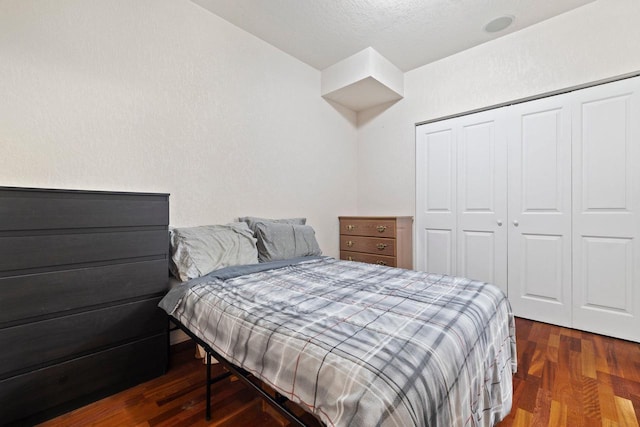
410 33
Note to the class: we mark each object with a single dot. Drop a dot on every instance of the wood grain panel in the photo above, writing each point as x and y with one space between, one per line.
571 378
60 291
386 240
33 252
59 388
33 209
39 343
368 227
81 273
373 245
368 258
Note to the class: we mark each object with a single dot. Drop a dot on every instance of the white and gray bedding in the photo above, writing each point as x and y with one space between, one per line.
360 344
280 239
196 251
285 241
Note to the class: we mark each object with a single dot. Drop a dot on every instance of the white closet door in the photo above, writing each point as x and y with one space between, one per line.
539 135
435 220
606 205
482 198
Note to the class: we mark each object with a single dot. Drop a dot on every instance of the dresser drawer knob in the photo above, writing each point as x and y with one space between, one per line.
381 263
349 243
349 258
381 228
351 227
381 246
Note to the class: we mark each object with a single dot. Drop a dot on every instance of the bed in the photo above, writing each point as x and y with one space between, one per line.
357 344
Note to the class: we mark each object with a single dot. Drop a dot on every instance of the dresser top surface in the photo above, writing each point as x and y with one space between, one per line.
71 191
374 217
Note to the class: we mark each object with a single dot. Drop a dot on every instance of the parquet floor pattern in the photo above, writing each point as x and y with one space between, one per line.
565 378
572 378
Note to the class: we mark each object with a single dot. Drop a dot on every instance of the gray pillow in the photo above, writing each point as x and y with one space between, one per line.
252 221
278 241
196 251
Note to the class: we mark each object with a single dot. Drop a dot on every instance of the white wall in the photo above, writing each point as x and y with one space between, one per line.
597 41
162 95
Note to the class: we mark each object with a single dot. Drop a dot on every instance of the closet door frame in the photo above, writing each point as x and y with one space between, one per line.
594 228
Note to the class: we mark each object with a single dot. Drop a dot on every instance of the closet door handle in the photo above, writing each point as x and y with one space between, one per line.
499 223
515 223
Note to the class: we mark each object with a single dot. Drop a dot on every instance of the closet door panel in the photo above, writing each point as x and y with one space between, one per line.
539 134
606 187
477 256
438 251
608 273
481 190
543 267
435 197
603 132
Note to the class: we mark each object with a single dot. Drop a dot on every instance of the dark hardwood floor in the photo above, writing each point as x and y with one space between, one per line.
565 378
175 399
572 378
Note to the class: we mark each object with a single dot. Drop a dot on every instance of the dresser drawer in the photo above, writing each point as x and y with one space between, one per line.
369 258
54 389
34 209
62 338
46 252
368 227
74 289
372 245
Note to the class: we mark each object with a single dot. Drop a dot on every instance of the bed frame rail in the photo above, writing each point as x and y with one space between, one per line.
278 402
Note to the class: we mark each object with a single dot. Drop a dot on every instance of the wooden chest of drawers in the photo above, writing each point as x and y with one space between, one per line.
81 274
384 240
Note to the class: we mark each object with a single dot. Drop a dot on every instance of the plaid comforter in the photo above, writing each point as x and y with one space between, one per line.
363 345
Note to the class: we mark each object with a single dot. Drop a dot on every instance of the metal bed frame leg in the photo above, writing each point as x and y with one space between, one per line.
278 402
208 412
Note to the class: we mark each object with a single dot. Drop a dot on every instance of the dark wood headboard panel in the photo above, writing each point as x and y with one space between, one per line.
81 273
